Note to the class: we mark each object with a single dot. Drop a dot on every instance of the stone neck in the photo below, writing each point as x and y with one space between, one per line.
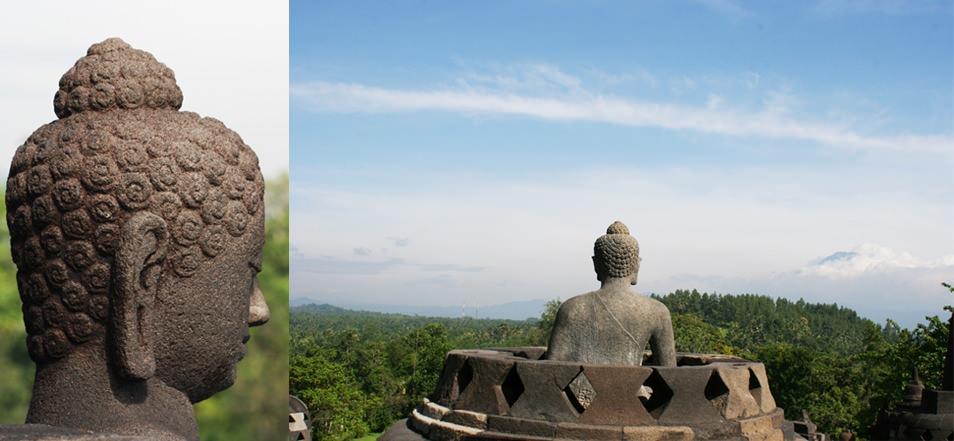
80 391
616 283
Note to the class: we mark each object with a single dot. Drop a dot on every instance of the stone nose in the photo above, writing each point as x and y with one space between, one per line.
258 312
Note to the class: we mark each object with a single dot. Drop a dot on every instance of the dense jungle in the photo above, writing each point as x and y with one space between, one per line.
359 372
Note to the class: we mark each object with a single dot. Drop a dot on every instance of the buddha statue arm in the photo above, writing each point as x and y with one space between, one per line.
663 342
560 343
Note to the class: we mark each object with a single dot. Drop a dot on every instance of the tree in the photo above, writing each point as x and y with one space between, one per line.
339 410
547 318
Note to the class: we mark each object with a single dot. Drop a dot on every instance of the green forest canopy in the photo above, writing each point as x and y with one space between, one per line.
361 371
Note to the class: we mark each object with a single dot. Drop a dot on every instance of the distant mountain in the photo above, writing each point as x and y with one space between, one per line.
838 256
322 308
509 311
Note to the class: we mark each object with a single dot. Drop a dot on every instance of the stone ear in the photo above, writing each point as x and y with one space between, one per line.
599 268
137 265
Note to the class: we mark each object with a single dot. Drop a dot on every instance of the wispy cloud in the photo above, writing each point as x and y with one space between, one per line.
771 121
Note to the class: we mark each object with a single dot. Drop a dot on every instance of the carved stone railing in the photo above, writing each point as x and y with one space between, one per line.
509 393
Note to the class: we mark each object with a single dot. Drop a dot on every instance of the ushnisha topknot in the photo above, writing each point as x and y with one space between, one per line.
617 252
114 75
617 228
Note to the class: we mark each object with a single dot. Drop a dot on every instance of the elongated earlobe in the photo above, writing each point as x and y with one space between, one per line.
136 270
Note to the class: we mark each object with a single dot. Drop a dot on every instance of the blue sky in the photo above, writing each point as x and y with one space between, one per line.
470 153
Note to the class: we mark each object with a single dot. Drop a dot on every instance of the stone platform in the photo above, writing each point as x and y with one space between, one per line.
510 394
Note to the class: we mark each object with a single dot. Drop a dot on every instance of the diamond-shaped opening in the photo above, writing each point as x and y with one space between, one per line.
660 394
716 388
512 387
717 392
464 376
580 393
950 436
755 387
927 436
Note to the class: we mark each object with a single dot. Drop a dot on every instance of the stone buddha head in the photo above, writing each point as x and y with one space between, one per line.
137 232
616 254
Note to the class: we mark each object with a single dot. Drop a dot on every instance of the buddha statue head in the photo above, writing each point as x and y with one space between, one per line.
137 232
616 254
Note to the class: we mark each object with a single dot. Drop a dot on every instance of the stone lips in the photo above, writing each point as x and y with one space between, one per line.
495 394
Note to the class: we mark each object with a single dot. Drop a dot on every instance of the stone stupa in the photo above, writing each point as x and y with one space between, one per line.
595 382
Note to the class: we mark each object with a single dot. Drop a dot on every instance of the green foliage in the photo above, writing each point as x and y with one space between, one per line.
695 335
339 409
16 382
548 317
823 358
391 360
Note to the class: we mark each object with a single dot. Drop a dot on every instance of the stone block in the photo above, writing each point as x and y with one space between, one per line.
521 426
483 393
419 423
448 390
937 401
528 352
689 404
756 425
588 432
737 401
616 395
467 418
762 393
543 397
772 435
433 410
658 433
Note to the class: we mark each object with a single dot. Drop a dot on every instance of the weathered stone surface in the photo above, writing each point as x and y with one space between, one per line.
658 433
616 400
737 401
938 401
528 352
433 410
686 396
467 418
587 432
484 393
448 387
759 388
543 397
521 426
299 420
757 425
613 324
43 432
137 232
689 404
